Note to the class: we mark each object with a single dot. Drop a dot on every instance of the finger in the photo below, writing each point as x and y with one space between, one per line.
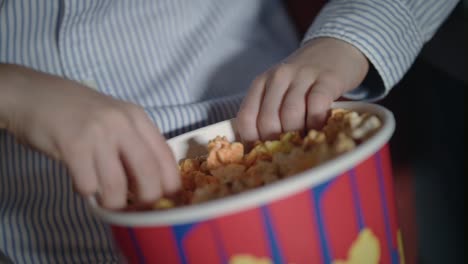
293 109
112 179
84 175
268 121
319 101
142 166
170 179
246 120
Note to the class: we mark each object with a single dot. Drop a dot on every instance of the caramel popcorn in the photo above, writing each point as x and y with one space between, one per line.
163 203
227 169
222 152
354 125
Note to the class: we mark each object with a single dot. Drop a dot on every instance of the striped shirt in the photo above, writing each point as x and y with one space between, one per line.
188 63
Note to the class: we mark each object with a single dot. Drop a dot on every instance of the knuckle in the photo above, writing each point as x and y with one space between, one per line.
258 80
91 132
136 115
104 123
266 123
283 70
112 116
327 75
113 186
317 99
331 79
73 150
306 72
94 127
280 76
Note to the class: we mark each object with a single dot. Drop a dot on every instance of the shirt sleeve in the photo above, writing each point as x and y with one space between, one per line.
390 33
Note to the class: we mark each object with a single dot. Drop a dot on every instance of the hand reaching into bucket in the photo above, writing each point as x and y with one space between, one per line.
104 142
297 93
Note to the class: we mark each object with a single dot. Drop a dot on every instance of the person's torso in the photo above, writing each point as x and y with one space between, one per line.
154 53
188 63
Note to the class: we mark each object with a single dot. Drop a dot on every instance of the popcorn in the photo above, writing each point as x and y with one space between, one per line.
356 126
226 169
263 172
222 152
259 152
313 139
365 127
343 143
266 150
229 173
188 165
209 192
163 203
295 162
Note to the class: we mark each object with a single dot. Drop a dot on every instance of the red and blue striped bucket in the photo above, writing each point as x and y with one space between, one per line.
343 210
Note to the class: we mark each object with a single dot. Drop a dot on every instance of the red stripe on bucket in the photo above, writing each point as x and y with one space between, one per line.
201 246
125 244
243 233
389 192
371 203
339 216
158 244
296 223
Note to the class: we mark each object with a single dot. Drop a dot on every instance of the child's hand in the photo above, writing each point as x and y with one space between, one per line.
297 93
104 142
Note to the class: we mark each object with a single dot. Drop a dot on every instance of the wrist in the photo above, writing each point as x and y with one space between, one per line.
356 64
10 79
341 57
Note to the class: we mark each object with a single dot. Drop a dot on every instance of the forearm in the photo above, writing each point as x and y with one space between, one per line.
390 33
6 97
11 77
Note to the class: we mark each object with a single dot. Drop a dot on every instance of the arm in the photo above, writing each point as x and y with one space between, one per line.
6 98
349 40
105 143
390 33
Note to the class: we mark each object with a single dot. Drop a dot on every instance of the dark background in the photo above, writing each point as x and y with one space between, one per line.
428 146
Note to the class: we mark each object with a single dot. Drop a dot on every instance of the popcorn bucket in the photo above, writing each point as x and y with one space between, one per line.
342 211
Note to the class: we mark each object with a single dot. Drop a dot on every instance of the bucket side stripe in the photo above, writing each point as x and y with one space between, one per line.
316 195
136 245
383 197
275 250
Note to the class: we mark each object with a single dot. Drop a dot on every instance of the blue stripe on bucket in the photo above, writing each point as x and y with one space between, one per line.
180 231
383 197
136 246
275 250
356 199
316 194
219 243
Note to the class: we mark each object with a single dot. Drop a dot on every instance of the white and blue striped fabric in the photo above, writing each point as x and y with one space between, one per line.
389 32
188 63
